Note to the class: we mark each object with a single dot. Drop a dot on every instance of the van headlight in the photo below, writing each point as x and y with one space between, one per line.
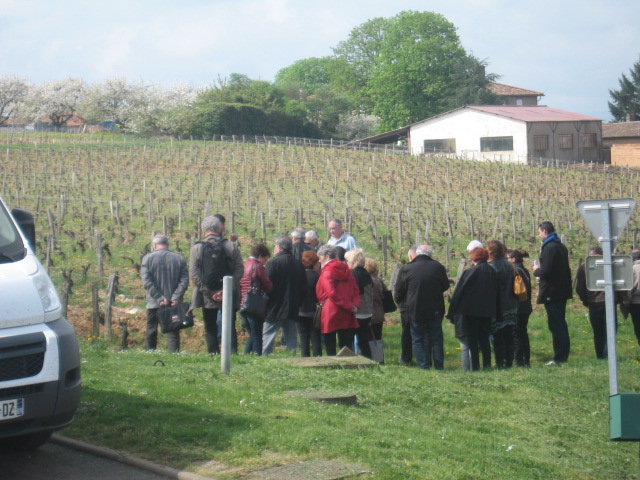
46 290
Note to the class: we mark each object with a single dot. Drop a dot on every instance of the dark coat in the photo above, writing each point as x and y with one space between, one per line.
298 248
554 273
420 287
308 306
289 287
506 273
524 308
477 293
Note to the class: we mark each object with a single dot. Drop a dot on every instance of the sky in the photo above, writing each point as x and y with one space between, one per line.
573 52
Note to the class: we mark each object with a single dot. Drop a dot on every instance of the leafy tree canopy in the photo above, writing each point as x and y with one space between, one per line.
308 75
626 100
409 67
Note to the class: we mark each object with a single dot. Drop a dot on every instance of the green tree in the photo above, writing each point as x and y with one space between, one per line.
626 100
419 57
308 75
359 55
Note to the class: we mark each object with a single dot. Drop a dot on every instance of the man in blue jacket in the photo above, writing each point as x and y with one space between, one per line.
554 277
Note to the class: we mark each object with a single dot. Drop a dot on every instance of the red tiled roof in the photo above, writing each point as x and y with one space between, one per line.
509 91
534 113
621 130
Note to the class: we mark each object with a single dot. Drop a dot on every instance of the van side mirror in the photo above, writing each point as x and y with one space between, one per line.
25 220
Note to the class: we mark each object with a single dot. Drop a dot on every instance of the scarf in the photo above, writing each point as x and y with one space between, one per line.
552 237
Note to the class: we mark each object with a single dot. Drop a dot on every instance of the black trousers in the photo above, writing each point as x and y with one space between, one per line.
345 339
151 334
522 355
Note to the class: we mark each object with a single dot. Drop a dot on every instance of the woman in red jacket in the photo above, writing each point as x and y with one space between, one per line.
339 295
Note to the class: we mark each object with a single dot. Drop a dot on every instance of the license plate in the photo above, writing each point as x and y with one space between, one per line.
11 408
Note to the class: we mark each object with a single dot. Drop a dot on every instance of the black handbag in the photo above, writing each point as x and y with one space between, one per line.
254 302
388 305
317 316
175 317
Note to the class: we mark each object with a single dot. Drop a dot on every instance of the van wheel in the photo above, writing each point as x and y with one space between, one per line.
26 442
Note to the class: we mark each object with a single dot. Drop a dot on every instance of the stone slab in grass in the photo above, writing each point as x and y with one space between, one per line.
312 470
330 362
325 397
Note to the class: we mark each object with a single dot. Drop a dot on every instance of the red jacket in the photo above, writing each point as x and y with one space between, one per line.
254 270
338 291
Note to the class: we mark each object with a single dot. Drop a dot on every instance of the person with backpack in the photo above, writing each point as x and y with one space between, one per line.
210 260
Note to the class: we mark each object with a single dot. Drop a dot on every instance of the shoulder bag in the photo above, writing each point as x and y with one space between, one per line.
519 287
255 301
388 305
175 317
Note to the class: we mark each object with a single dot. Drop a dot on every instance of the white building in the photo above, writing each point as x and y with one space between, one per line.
506 133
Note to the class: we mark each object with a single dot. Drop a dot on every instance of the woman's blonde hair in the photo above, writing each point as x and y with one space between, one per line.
354 258
371 266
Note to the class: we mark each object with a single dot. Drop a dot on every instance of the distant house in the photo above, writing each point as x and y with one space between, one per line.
506 133
515 95
622 143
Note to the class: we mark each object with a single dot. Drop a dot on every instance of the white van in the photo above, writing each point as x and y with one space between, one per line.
39 358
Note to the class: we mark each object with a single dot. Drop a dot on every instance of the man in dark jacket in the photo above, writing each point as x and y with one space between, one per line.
289 286
420 287
595 302
554 276
298 246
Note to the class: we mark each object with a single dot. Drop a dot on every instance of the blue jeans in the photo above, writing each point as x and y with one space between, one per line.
556 312
270 330
254 342
406 350
428 342
234 333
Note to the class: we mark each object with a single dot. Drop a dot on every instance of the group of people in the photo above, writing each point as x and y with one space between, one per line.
302 274
484 306
487 314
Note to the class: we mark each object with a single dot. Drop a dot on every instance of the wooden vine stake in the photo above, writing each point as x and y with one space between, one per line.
108 304
99 256
95 302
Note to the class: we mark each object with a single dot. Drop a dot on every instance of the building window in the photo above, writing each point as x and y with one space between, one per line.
565 141
590 140
445 145
541 142
496 144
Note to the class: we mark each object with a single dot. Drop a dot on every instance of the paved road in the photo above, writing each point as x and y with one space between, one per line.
57 462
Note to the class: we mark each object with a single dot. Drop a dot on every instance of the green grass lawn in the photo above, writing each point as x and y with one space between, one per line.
536 423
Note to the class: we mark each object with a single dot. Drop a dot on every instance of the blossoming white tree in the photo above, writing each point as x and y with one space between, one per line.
13 92
56 100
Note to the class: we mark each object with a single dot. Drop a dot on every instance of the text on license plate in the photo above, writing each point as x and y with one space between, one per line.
11 408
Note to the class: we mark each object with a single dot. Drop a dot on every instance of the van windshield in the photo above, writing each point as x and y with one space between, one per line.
12 248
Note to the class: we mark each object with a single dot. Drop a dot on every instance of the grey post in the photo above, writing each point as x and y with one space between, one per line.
609 299
227 311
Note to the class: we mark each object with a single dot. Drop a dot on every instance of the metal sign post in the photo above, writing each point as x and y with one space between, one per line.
607 219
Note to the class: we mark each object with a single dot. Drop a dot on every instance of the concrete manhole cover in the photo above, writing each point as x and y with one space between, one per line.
324 396
330 362
312 470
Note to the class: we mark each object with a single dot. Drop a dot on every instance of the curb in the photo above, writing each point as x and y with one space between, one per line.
127 459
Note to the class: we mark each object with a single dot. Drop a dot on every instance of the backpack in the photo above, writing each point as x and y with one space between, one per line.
213 264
